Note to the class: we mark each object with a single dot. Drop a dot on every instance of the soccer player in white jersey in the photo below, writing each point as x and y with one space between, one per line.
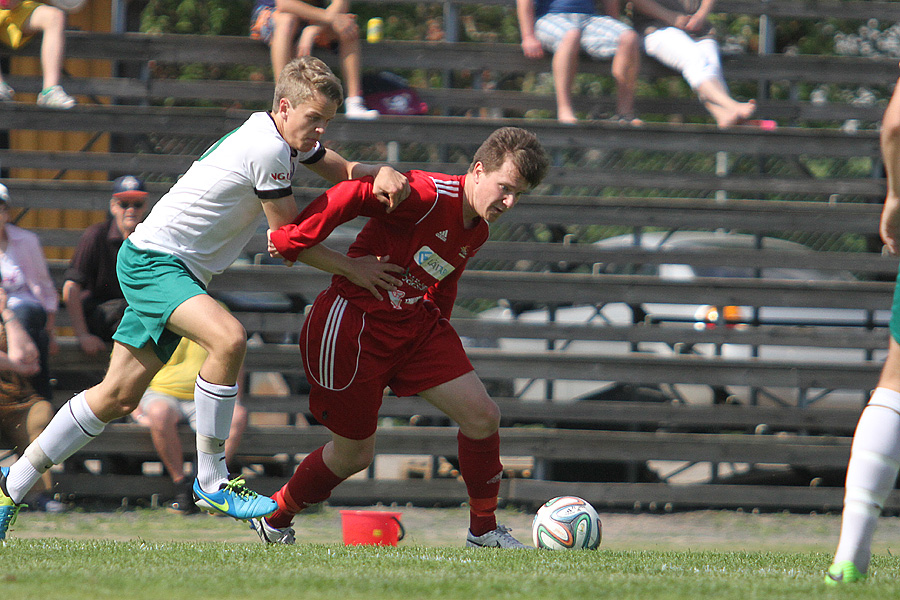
195 231
875 452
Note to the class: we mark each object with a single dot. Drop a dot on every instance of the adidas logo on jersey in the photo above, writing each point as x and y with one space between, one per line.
441 235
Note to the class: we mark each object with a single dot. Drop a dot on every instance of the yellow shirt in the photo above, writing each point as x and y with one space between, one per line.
178 376
13 16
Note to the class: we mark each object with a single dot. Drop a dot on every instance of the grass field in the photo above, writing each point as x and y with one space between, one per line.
150 554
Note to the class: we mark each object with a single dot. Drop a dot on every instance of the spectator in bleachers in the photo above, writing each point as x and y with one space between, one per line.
30 292
23 412
91 291
875 451
169 401
677 34
19 22
565 27
293 28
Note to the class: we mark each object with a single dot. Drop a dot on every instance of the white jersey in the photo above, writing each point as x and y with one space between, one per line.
210 214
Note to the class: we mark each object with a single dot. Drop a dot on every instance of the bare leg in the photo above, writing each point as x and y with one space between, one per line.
238 425
52 22
346 457
204 321
129 373
465 400
565 66
162 420
348 48
281 43
625 67
725 110
39 416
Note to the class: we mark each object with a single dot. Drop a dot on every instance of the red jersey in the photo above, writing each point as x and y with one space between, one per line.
426 235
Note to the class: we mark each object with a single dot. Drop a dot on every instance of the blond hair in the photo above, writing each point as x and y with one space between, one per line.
305 77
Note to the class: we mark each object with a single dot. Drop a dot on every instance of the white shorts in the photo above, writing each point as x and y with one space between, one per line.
697 60
186 409
599 34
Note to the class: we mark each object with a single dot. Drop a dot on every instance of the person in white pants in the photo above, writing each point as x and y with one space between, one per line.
677 34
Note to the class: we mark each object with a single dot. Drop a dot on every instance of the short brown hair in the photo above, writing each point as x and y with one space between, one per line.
521 146
303 78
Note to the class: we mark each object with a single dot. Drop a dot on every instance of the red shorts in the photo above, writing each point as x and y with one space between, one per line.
350 357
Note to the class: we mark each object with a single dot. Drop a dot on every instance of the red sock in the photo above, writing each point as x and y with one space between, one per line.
481 470
310 484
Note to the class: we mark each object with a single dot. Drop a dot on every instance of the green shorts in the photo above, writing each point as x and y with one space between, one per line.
895 312
154 284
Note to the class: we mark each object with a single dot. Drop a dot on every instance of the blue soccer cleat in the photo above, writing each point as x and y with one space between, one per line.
234 500
9 510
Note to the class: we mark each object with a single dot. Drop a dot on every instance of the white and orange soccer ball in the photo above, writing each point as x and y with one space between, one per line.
566 523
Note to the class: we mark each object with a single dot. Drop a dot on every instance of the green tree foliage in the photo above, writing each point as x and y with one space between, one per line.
207 17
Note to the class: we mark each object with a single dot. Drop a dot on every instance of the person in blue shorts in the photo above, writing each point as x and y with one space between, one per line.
195 231
565 28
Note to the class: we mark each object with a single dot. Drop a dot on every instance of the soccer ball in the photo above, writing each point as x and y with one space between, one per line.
68 5
566 523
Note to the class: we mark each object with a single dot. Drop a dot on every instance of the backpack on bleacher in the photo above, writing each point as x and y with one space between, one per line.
390 94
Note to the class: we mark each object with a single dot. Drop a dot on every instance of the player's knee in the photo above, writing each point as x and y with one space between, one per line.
233 341
359 461
119 398
483 419
123 401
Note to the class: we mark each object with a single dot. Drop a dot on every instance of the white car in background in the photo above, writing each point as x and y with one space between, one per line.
692 315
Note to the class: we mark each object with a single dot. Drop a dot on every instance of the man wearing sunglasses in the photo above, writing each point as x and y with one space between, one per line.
91 290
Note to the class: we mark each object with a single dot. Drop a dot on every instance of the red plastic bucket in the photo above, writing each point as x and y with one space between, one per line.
371 527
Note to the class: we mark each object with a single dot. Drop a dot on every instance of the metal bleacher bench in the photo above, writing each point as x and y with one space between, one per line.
631 432
403 56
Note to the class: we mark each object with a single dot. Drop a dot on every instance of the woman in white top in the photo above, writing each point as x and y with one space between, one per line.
29 289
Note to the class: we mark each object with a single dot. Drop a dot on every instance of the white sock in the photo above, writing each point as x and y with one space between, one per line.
70 430
22 477
871 475
215 407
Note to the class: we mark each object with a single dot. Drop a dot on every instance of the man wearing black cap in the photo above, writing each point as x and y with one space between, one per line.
91 290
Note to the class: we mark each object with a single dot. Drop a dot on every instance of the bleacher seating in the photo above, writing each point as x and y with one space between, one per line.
814 438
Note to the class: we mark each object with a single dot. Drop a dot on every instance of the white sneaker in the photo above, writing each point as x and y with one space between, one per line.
498 538
56 97
271 535
7 94
355 109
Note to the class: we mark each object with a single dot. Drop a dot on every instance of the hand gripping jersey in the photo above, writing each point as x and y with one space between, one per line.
426 235
211 213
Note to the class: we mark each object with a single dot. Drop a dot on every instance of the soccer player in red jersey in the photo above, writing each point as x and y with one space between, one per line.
354 345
